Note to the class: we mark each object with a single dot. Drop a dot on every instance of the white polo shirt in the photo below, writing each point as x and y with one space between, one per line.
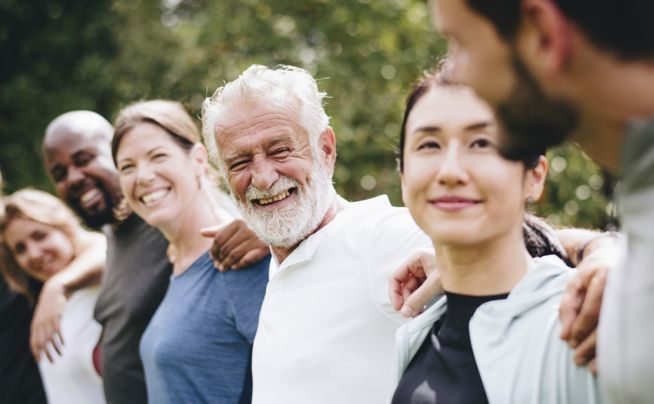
326 329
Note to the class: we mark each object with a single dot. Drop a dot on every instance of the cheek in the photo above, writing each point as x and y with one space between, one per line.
22 261
61 189
238 184
300 170
503 190
418 174
416 181
61 246
125 182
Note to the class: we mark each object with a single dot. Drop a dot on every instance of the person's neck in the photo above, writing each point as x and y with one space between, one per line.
184 233
491 268
337 205
614 93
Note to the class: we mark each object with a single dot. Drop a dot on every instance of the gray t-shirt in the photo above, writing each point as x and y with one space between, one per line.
134 284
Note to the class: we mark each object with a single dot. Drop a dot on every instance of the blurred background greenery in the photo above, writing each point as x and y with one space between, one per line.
61 55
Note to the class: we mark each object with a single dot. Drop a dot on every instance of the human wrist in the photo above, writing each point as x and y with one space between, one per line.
59 284
591 244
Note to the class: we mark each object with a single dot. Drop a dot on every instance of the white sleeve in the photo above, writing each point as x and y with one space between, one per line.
393 237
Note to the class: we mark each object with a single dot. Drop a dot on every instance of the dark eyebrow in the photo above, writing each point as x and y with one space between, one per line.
154 150
478 126
430 129
82 151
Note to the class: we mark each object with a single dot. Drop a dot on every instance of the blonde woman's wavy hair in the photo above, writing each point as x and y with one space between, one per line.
40 207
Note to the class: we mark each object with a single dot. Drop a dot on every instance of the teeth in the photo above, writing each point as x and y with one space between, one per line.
274 198
154 196
88 195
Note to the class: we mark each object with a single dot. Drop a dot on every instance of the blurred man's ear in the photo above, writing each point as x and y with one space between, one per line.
544 39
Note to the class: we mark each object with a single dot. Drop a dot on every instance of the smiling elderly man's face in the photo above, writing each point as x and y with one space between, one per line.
282 188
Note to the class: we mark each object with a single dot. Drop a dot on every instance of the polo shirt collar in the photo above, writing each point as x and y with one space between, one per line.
307 248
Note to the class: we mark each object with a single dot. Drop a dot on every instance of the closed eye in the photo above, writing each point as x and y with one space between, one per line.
126 168
159 157
281 150
238 165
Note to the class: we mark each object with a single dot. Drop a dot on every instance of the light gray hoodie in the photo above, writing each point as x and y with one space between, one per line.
516 343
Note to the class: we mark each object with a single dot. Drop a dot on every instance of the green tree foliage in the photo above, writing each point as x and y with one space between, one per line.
100 55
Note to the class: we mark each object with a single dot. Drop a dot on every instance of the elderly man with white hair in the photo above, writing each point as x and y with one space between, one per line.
326 329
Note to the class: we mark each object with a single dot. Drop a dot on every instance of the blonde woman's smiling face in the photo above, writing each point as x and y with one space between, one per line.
39 249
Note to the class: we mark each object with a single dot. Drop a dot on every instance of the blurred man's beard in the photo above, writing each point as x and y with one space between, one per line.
532 121
286 227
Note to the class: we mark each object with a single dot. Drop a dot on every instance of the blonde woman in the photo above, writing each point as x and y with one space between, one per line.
40 238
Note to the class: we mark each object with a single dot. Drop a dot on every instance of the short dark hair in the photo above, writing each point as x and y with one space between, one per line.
623 27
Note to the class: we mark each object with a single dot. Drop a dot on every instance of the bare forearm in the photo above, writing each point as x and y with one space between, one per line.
574 240
579 243
87 267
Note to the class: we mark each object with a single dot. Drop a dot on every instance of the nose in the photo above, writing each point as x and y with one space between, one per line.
33 253
452 171
144 173
263 174
75 176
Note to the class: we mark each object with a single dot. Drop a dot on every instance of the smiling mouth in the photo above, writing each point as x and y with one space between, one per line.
455 204
46 266
274 198
89 196
153 197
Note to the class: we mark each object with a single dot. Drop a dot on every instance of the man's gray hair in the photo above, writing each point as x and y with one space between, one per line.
279 86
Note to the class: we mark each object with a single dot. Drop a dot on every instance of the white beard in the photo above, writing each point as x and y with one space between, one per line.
286 227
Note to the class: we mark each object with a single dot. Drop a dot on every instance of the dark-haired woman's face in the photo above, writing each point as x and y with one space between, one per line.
457 187
39 249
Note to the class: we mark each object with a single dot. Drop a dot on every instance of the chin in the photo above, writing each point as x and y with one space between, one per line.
458 234
158 219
